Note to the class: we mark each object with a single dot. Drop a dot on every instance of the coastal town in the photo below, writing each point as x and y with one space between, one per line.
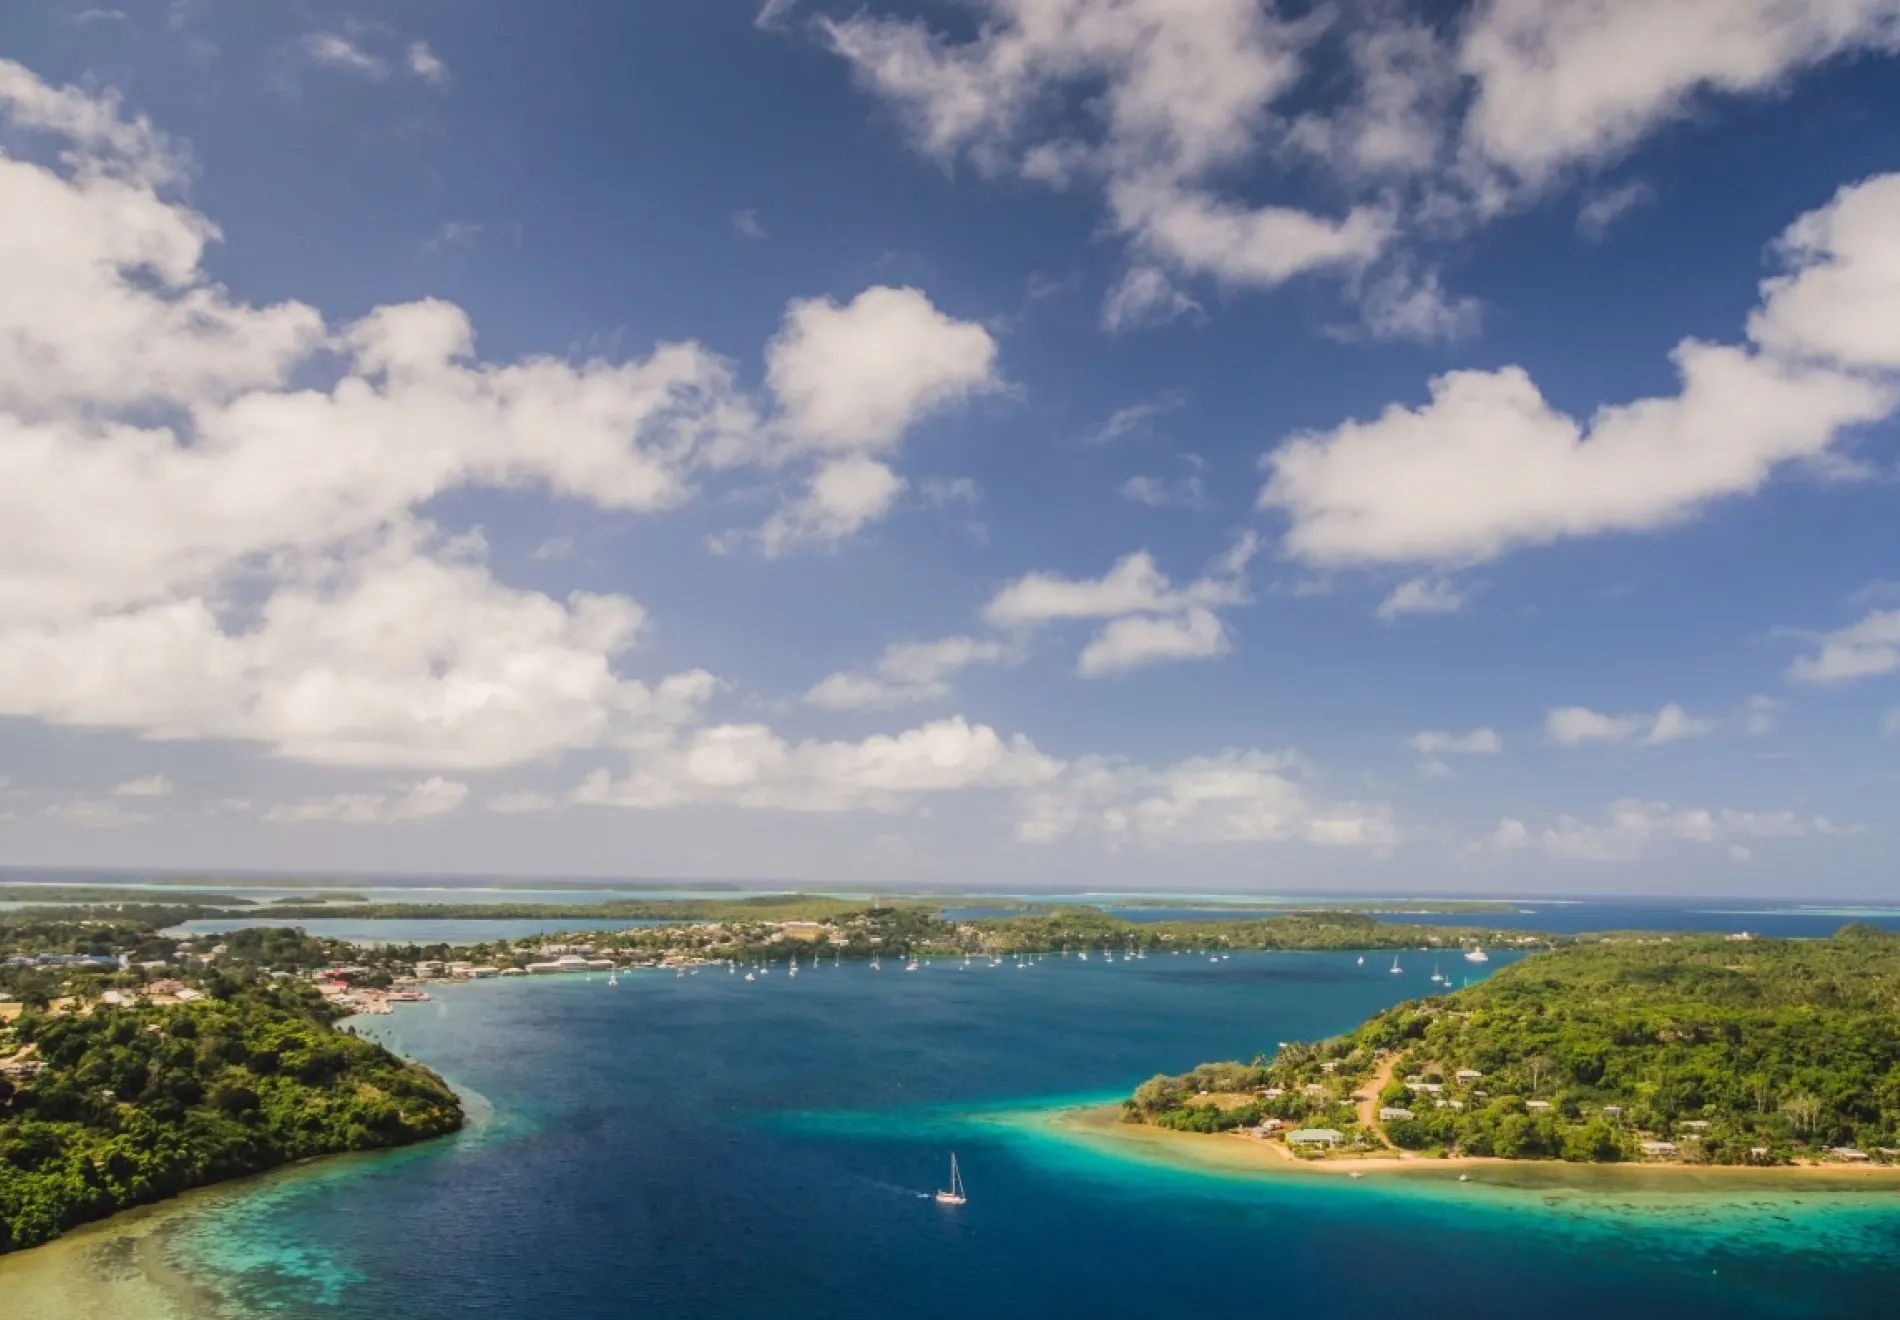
67 958
369 982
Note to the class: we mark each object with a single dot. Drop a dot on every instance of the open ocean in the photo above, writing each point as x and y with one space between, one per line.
701 1146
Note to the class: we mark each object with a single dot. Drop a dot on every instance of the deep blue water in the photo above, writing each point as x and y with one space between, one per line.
699 1146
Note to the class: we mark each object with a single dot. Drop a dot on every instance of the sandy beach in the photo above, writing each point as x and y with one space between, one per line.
1232 1152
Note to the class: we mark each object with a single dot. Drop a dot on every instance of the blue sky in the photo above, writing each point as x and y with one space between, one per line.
1147 444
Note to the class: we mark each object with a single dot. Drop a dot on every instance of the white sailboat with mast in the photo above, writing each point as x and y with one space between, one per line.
954 1195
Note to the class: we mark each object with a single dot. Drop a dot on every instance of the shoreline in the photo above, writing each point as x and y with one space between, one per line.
121 1268
1234 1153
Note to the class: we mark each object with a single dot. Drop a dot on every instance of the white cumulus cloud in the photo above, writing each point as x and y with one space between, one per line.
1138 640
907 672
1633 827
238 548
1571 725
336 51
1604 209
1422 595
1235 797
435 796
1488 464
853 378
1432 121
427 65
1150 620
1479 742
1181 93
749 765
1561 85
1861 650
1145 297
850 380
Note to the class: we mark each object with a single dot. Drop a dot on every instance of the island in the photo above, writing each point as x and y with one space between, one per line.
154 1074
1677 1050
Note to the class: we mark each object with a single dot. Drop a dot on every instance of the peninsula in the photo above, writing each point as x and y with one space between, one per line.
1695 1050
152 1076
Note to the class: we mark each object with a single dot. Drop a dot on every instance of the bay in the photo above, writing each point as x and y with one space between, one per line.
700 1146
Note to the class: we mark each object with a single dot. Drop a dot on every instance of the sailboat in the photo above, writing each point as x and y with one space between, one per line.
1362 960
793 969
954 1195
1437 975
612 979
1396 969
876 966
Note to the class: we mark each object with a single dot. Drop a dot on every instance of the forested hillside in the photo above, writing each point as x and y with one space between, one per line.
1703 1049
130 1105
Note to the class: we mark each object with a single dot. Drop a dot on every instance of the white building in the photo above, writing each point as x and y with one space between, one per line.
1314 1137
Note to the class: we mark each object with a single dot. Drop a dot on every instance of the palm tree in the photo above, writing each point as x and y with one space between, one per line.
1803 1111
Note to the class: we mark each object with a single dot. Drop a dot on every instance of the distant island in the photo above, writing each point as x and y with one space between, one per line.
91 895
1697 1050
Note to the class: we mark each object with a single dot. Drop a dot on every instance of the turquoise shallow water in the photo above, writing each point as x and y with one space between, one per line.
699 1146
